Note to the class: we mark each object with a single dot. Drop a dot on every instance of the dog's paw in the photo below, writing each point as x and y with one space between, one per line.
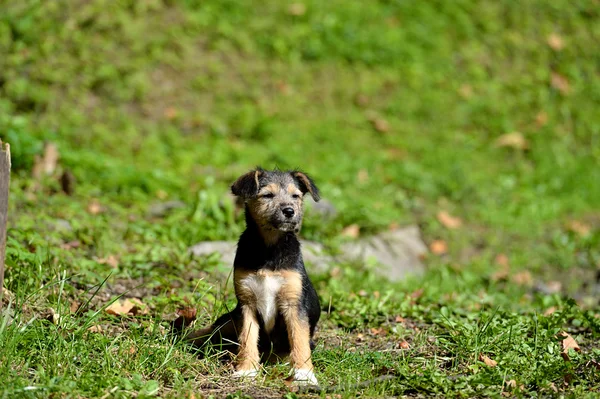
250 374
305 377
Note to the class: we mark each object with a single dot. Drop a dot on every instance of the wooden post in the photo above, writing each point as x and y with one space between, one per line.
4 183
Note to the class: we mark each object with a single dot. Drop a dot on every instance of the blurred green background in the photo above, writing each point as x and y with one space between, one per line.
486 110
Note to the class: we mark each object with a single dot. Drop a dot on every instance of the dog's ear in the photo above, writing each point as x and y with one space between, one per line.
246 186
307 185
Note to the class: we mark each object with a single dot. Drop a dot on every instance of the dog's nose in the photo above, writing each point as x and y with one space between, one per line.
288 212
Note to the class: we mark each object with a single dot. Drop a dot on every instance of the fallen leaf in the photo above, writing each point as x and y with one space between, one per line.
120 308
111 260
449 221
404 345
541 119
352 231
438 247
140 308
399 319
74 307
363 293
488 362
46 164
502 260
171 113
550 311
297 9
94 207
514 140
377 331
579 228
560 83
71 245
553 287
522 278
555 42
359 337
511 384
381 125
362 176
95 329
466 91
336 271
418 293
362 100
568 343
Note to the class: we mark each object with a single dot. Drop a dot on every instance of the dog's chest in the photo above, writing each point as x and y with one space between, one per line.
265 289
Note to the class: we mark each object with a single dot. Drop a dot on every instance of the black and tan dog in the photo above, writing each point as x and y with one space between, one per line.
278 308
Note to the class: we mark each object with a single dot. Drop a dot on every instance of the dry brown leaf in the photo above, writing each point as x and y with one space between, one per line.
502 260
541 119
363 293
95 329
418 293
550 311
46 164
171 113
352 231
404 345
568 343
438 247
111 260
488 362
514 140
74 307
449 221
522 278
381 125
120 308
362 176
466 91
560 83
297 9
94 207
511 384
377 331
140 308
555 42
362 100
580 228
399 319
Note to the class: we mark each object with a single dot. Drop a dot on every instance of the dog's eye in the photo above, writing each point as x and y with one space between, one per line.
296 196
268 195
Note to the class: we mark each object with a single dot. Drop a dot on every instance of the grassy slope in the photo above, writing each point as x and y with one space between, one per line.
172 100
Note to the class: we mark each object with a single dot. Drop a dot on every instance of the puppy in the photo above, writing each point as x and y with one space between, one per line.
278 307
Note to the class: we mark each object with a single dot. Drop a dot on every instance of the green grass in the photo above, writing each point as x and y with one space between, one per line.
162 100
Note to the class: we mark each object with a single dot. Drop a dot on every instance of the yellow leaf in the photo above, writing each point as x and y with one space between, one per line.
449 221
488 362
514 140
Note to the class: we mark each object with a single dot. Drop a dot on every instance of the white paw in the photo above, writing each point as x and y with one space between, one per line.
305 377
245 374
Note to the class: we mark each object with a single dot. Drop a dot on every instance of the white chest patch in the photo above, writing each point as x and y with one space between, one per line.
265 288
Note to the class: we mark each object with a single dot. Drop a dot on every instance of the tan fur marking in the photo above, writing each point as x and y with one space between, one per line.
298 327
270 188
256 176
248 355
306 182
292 189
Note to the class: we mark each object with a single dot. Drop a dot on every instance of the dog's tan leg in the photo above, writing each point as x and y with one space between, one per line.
248 356
298 329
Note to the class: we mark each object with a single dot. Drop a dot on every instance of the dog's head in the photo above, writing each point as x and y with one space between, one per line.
274 198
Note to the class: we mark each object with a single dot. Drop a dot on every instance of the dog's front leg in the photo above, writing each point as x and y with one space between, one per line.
298 329
248 356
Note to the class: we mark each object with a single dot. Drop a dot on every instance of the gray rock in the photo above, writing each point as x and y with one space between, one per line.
161 209
398 253
225 248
